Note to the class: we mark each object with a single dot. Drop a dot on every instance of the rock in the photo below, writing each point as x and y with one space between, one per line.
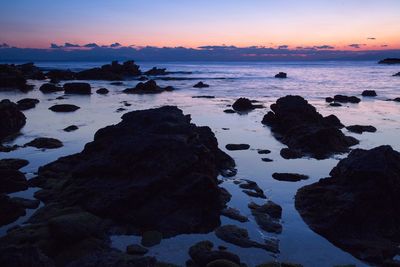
240 237
60 75
356 208
329 99
222 263
156 71
151 238
361 128
289 177
13 164
30 71
346 99
202 254
71 128
44 142
136 250
397 99
47 88
263 151
335 104
12 78
266 159
282 264
27 103
12 180
252 189
64 108
8 148
390 61
369 93
244 104
9 212
203 96
173 180
234 214
111 72
77 88
237 146
288 153
201 85
27 256
281 75
149 87
229 111
26 203
306 132
397 74
102 91
11 119
267 216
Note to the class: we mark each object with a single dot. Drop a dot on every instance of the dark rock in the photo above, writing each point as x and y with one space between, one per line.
60 75
136 250
30 71
13 164
263 151
203 96
120 109
252 189
240 237
397 74
202 254
288 153
27 256
329 99
289 177
143 78
266 159
390 61
9 212
102 91
281 75
111 72
77 88
27 103
346 99
12 78
254 194
397 99
64 108
244 104
26 203
11 119
71 128
369 93
12 180
201 85
298 125
335 104
234 214
151 238
44 142
229 111
356 208
50 88
237 146
267 216
361 128
8 148
156 71
149 87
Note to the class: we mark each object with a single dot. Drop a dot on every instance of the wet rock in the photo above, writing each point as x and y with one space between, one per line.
234 214
201 85
252 189
77 88
26 203
397 99
8 148
12 78
361 128
329 99
64 108
111 72
263 151
151 238
102 91
27 103
13 164
60 75
202 254
222 263
267 216
335 104
30 71
149 87
240 237
288 153
44 142
136 250
289 177
371 93
282 264
298 125
12 180
71 128
143 78
356 208
266 159
47 88
27 256
397 74
244 105
203 96
346 99
230 111
281 75
120 109
156 72
11 119
237 146
390 61
9 212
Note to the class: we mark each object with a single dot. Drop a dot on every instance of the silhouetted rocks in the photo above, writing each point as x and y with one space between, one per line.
201 85
12 78
11 119
111 72
149 87
9 212
356 208
102 91
30 71
27 103
47 88
202 254
229 111
12 180
64 108
397 74
346 99
243 104
136 250
240 237
370 93
335 104
361 128
267 216
298 125
266 159
289 177
26 203
77 88
44 142
329 99
156 71
234 214
390 61
237 146
252 189
60 75
281 75
70 128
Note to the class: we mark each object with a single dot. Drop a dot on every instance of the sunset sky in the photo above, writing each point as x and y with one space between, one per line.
345 24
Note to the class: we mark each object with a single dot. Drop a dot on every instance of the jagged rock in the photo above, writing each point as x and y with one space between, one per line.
371 93
77 88
71 128
47 88
267 216
281 75
252 189
27 103
15 76
356 208
237 146
149 87
298 125
102 91
361 128
111 72
201 85
156 71
11 119
390 61
397 74
44 142
202 254
9 212
64 108
289 177
234 214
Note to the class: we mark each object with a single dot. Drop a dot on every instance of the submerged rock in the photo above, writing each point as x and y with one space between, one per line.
267 216
390 61
346 99
289 177
298 125
361 128
356 208
281 75
14 77
156 71
243 104
102 91
27 103
47 88
237 146
252 189
371 93
201 85
44 142
229 111
11 119
64 108
149 87
203 96
136 250
202 254
397 74
77 88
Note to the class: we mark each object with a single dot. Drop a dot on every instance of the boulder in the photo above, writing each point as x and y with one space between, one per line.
346 99
27 103
64 108
47 88
9 212
13 164
12 180
390 61
102 91
44 142
243 104
289 177
306 132
201 85
151 238
11 77
371 93
11 119
149 87
111 72
356 208
77 88
397 74
60 75
281 75
237 146
30 71
70 128
234 214
361 128
202 254
156 71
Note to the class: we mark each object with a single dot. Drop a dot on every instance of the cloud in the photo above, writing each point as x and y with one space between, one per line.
91 45
385 45
283 47
217 47
371 38
69 45
115 45
324 47
4 45
357 46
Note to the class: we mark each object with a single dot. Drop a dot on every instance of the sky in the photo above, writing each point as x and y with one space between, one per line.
338 24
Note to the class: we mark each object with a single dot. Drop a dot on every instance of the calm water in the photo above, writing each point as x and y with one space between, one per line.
228 81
